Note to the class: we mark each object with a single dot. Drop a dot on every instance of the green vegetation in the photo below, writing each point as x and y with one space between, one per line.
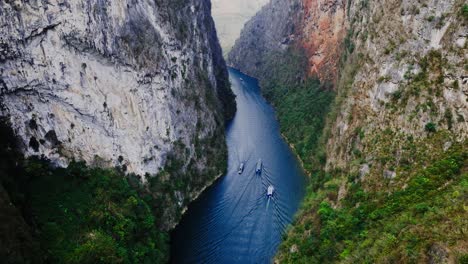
464 11
87 215
84 215
301 103
376 227
73 215
17 244
428 81
430 127
301 112
160 191
92 216
393 197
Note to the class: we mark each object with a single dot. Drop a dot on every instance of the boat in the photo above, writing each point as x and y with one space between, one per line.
241 168
270 191
258 170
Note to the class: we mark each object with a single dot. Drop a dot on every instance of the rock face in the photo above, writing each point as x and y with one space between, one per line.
272 29
322 31
399 72
141 85
317 27
116 83
403 64
405 74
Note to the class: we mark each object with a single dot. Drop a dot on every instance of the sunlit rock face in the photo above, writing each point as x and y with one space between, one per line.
317 27
397 66
230 16
322 32
114 83
399 72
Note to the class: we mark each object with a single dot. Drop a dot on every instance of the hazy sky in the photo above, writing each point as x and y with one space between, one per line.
230 16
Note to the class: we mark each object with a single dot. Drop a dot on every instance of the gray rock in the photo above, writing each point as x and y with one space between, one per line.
438 254
128 83
364 170
271 29
447 145
230 16
388 174
112 78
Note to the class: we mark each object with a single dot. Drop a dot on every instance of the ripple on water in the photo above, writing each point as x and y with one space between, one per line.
233 221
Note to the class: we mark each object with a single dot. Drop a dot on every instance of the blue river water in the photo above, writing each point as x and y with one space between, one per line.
234 221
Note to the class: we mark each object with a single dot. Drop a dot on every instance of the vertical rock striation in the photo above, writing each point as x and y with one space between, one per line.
272 29
402 64
322 32
316 27
137 84
408 72
399 72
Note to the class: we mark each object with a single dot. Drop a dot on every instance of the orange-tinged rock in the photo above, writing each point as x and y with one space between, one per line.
323 31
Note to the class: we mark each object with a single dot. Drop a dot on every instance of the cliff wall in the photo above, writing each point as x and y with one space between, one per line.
394 137
133 84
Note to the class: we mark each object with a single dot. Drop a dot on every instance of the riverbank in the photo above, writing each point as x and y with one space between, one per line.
232 221
197 195
293 149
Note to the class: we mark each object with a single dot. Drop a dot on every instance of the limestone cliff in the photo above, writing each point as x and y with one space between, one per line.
322 31
317 27
398 119
141 85
394 42
272 29
402 67
409 71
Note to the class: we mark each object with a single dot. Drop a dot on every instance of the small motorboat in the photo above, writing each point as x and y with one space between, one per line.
258 170
270 191
241 168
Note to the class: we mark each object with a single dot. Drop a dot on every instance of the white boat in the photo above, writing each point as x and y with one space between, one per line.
258 170
241 168
270 191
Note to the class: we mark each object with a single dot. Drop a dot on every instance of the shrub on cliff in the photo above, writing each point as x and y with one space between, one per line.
372 226
430 127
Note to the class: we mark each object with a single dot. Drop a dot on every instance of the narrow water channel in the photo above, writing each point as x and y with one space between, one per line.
234 221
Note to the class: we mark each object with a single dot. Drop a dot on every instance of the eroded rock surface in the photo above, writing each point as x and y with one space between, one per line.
141 85
119 80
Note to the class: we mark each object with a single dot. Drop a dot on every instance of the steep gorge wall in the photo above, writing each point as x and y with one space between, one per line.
315 27
398 69
272 29
322 32
141 85
409 59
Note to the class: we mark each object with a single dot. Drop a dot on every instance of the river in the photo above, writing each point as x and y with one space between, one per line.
234 221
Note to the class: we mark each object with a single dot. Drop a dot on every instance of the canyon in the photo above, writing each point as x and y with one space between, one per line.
397 73
113 117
